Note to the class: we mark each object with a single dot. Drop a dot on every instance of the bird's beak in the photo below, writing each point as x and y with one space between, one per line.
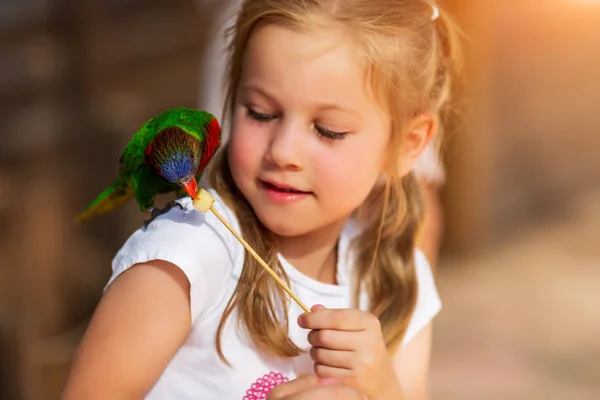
191 187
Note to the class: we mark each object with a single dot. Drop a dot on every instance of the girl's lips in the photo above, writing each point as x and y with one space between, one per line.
283 194
282 187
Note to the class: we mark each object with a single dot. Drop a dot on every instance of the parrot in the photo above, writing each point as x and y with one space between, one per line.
168 154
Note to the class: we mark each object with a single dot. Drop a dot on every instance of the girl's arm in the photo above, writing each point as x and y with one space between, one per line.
411 364
138 326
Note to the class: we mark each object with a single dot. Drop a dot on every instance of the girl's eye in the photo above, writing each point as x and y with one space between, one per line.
330 135
324 133
259 117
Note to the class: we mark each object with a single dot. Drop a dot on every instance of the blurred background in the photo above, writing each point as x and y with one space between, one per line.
519 271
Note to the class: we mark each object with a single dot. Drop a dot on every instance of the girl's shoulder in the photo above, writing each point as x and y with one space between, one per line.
184 226
199 244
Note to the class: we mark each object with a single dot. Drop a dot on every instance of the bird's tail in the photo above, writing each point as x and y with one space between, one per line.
110 199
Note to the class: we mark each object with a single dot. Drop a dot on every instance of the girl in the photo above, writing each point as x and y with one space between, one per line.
331 104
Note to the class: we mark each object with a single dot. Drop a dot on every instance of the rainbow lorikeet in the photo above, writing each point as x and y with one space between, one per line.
167 154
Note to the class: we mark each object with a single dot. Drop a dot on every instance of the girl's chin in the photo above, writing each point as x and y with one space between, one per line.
285 228
285 225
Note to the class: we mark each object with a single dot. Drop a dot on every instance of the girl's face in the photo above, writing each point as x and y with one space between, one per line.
308 138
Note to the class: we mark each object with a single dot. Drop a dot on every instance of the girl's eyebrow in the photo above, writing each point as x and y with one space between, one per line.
250 87
321 105
334 106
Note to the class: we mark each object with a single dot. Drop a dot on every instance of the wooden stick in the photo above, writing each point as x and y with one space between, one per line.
203 203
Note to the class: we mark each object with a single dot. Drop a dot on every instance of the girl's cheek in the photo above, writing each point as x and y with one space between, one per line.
333 169
246 144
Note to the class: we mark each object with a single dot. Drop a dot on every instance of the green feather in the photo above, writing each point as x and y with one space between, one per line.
137 178
118 194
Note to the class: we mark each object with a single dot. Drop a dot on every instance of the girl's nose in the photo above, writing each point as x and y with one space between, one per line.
285 147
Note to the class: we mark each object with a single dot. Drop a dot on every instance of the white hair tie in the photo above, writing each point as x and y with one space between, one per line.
435 14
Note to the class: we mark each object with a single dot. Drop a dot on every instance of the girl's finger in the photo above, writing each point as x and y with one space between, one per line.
300 384
344 319
333 358
326 371
334 340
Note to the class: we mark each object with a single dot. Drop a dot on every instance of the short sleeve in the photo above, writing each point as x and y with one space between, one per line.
428 301
197 243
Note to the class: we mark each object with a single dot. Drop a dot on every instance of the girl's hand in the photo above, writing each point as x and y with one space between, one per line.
309 387
348 347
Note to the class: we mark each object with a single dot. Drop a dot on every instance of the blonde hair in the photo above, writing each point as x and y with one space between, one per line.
411 61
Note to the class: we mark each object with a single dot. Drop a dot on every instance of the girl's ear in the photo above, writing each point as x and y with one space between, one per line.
419 133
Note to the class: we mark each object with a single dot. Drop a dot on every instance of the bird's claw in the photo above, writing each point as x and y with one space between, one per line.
155 211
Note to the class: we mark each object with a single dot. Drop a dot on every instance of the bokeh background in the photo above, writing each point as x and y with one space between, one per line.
519 272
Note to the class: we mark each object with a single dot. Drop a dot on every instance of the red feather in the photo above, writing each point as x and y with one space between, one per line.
213 141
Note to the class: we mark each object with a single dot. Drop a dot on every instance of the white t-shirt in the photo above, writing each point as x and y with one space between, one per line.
212 259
